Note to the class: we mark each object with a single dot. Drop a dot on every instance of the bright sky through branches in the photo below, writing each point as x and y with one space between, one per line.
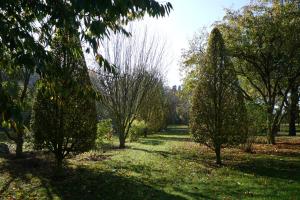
187 18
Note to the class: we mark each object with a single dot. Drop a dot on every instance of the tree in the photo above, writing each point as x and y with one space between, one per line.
264 42
137 60
190 59
218 115
64 117
154 110
15 102
293 110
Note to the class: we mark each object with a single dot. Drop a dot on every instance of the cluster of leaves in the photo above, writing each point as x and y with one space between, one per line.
104 132
137 129
155 108
21 21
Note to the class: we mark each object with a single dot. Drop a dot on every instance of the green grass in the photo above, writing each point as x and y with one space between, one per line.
167 165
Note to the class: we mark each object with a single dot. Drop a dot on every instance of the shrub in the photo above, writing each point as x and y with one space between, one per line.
256 125
104 132
137 129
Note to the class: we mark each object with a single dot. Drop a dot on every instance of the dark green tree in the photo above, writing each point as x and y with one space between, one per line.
218 114
64 117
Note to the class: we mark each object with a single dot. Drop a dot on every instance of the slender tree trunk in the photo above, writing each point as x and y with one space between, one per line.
218 154
272 130
293 111
58 172
59 162
19 145
145 132
271 134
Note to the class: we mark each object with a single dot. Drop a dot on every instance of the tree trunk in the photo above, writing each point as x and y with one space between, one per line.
218 155
271 131
19 145
293 111
145 132
59 163
122 141
59 166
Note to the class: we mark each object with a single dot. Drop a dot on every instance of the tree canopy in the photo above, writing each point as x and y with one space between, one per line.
264 42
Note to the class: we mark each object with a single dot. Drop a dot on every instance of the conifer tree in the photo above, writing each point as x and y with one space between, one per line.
218 115
64 117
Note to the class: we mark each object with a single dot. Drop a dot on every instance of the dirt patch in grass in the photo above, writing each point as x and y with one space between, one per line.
92 156
285 146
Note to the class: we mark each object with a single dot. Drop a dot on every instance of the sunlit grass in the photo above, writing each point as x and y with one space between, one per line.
167 165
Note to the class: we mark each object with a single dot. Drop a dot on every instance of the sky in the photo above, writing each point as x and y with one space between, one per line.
186 18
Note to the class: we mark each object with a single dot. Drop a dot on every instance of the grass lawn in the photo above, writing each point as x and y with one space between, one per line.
163 166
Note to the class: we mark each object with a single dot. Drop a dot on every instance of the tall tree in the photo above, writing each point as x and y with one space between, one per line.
64 117
137 60
218 115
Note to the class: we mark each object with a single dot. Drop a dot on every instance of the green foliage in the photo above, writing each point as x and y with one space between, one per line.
256 124
218 115
64 118
15 100
104 132
92 19
263 39
137 130
154 109
192 58
256 119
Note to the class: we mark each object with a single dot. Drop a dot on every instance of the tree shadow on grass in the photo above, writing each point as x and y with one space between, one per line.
271 167
178 130
77 183
164 154
231 190
175 139
151 141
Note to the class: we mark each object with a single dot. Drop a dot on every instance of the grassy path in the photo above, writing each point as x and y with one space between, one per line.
163 166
